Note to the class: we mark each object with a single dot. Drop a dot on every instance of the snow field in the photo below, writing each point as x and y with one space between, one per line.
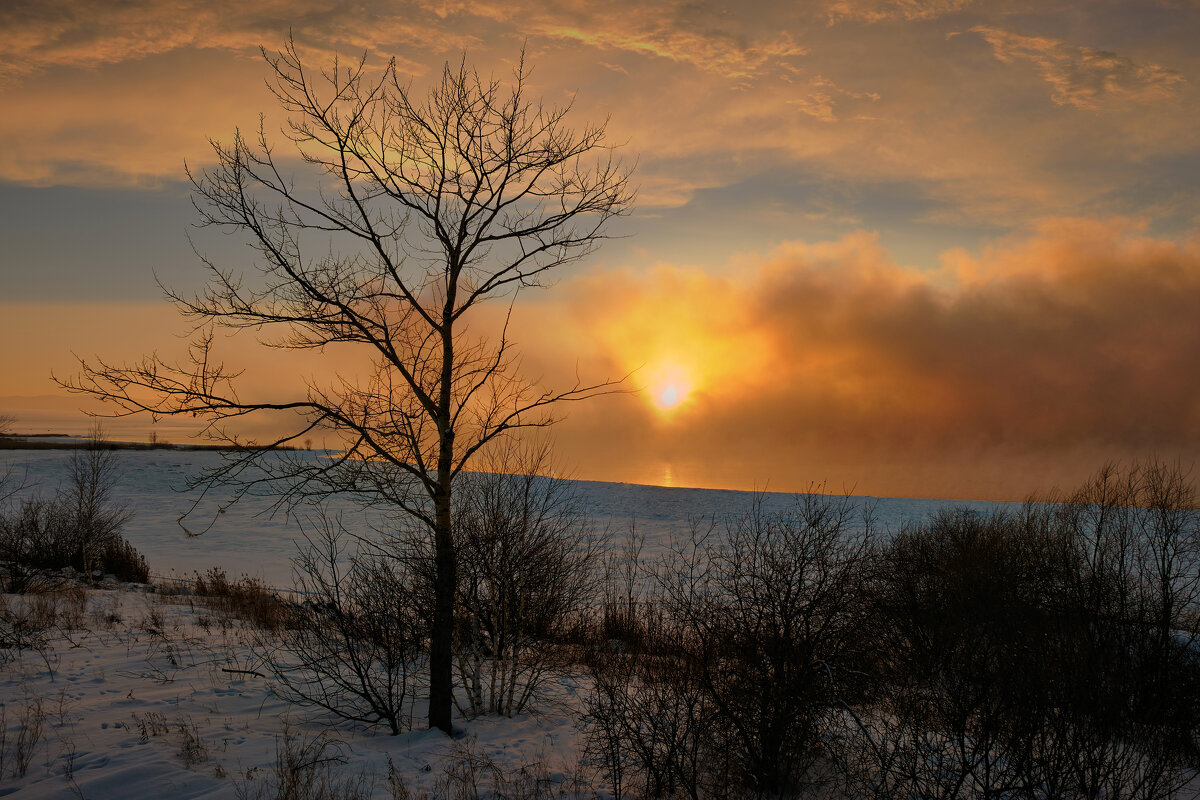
134 694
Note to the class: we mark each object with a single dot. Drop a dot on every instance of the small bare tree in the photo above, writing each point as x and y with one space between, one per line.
351 646
426 208
91 485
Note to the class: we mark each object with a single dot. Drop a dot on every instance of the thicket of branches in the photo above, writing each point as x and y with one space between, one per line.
742 657
1039 655
1044 654
1047 653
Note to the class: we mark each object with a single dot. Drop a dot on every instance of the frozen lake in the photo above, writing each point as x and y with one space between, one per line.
246 539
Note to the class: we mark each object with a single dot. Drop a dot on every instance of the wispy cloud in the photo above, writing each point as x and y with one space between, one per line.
40 34
104 94
713 53
1083 77
879 10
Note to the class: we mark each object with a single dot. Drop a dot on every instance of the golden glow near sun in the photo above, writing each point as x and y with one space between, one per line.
685 344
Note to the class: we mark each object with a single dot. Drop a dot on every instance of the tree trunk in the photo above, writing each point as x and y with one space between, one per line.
441 636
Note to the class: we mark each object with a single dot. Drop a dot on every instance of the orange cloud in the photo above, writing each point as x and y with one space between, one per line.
97 94
70 33
995 376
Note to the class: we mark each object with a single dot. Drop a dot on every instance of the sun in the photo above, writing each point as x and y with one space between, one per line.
669 397
670 390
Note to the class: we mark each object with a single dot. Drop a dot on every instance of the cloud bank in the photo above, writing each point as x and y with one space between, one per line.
1043 354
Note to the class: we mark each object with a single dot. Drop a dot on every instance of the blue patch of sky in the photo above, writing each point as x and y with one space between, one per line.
1166 190
759 213
69 244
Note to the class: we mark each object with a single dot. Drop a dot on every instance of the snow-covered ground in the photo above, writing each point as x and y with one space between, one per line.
134 694
140 695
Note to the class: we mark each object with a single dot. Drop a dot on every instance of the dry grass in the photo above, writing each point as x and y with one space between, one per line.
28 622
306 769
192 748
16 751
247 599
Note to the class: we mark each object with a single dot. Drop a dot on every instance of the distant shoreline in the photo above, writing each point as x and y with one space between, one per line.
22 441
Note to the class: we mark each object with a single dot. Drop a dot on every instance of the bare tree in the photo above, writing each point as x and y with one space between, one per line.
426 208
6 423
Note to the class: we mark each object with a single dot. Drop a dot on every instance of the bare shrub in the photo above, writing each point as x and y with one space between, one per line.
526 574
70 604
649 727
770 616
27 623
79 528
35 542
192 748
153 623
622 613
351 647
150 725
746 656
31 722
123 561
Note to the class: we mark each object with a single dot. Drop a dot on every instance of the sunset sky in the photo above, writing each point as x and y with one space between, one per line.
933 248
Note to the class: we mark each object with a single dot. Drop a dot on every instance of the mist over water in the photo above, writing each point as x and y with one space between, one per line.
247 538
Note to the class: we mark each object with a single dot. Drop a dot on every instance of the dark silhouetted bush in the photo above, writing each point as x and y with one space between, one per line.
749 654
1042 654
80 527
